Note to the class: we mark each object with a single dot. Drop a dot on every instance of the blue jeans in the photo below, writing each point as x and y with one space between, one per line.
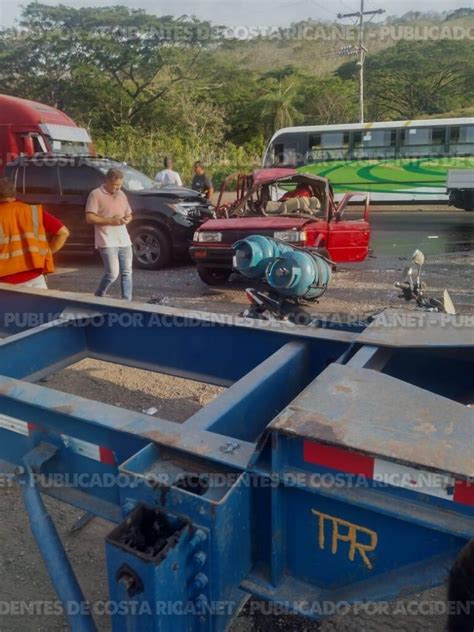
117 261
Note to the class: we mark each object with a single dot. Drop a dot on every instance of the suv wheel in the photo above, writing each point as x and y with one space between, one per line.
151 247
213 276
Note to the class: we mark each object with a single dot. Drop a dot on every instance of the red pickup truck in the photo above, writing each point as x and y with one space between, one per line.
285 204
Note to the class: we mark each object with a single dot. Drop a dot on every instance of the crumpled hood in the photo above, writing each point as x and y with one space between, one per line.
249 224
172 191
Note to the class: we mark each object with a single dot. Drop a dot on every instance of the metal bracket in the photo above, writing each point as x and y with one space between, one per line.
37 457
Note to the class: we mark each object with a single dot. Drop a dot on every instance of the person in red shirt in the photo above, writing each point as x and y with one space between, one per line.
20 245
302 190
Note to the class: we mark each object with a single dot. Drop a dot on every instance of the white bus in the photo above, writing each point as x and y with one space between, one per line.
395 161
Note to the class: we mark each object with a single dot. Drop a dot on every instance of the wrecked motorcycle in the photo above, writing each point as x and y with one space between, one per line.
271 304
412 288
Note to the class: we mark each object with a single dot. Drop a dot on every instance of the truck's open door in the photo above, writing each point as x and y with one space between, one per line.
349 229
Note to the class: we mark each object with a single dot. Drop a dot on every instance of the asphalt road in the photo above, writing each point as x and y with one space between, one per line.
447 238
434 233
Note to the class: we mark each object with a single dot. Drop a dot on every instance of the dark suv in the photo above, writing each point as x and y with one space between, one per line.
164 219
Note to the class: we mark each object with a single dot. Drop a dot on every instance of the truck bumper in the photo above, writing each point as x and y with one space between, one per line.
212 257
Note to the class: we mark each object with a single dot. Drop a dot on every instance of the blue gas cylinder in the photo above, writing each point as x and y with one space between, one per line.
253 254
299 274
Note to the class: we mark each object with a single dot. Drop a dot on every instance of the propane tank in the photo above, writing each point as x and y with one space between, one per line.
253 254
299 274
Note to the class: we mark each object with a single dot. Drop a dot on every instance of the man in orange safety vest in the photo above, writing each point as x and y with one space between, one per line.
29 236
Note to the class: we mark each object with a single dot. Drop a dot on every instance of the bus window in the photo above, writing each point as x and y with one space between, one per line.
375 143
416 141
288 150
357 149
356 140
334 145
438 141
467 134
278 150
461 140
335 140
285 155
314 142
269 158
439 136
314 147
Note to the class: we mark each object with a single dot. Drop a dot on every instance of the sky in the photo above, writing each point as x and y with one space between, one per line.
249 12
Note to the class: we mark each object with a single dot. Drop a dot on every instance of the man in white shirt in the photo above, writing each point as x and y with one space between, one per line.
167 175
108 210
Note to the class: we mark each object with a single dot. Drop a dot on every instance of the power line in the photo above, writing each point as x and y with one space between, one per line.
360 50
344 4
323 8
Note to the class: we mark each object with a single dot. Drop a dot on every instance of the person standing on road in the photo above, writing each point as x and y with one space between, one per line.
108 210
202 183
29 237
167 175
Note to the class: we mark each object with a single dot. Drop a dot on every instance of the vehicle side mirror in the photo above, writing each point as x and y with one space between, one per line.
418 258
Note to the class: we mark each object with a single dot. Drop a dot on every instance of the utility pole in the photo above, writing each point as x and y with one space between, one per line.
361 50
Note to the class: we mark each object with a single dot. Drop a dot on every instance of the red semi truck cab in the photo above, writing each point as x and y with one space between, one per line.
29 127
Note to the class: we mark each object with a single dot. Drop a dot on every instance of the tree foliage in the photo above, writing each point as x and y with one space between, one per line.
415 79
129 75
126 56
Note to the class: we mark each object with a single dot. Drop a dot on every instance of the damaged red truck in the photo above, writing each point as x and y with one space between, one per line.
295 207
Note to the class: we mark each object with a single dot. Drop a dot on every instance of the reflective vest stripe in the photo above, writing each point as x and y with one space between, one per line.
7 240
19 253
35 217
23 240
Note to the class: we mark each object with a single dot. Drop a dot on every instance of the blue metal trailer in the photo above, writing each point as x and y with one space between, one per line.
336 467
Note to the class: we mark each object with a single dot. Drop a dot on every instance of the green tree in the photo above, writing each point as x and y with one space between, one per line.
135 57
279 103
414 79
330 100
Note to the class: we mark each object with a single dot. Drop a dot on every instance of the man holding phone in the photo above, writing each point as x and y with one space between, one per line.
108 210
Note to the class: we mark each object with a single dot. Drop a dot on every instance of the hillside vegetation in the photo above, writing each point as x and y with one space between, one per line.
149 85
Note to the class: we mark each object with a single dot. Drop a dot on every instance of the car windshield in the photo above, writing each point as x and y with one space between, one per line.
133 180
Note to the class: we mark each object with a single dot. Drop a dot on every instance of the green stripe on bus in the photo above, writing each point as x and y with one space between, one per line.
389 176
